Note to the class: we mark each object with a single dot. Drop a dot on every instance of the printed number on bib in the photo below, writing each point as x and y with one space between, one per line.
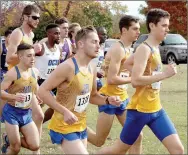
99 64
81 102
156 85
123 75
26 103
50 69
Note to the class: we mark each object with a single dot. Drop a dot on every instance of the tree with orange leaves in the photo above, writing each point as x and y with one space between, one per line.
178 13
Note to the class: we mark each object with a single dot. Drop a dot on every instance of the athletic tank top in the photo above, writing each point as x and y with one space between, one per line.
75 98
24 86
47 62
25 39
146 98
116 90
65 50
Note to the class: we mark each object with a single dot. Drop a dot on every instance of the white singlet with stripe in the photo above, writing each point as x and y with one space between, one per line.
48 61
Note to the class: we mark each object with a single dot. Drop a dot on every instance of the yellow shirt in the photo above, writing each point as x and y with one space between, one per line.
115 90
25 39
75 98
24 86
146 98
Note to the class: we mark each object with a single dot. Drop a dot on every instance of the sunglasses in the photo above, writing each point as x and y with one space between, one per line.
34 17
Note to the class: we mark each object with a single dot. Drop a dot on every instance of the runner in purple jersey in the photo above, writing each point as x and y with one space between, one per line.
65 44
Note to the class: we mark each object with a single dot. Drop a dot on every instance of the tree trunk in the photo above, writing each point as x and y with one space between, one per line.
56 3
67 8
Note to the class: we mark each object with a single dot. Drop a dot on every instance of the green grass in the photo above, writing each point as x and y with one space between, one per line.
174 101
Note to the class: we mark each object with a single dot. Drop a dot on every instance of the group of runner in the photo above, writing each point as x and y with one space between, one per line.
67 70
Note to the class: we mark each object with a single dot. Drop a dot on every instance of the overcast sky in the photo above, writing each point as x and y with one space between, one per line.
133 7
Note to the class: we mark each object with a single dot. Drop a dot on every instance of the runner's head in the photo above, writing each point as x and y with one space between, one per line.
26 55
7 34
64 26
129 27
101 31
73 29
30 16
157 22
87 40
53 33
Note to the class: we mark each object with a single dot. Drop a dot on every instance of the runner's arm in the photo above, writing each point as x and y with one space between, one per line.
5 84
141 57
98 99
57 77
14 41
115 61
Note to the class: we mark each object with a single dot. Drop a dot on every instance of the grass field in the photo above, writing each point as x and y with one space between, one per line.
174 101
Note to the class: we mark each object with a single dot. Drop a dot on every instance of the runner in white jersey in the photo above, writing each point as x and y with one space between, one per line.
48 59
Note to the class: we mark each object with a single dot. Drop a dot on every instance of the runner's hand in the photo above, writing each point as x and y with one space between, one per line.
17 98
37 47
170 70
114 100
69 117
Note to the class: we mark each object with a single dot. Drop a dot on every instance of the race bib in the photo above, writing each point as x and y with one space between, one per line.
99 64
81 102
50 69
156 85
26 103
123 75
100 61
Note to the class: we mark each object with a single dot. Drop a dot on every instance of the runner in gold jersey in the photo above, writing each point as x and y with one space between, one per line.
18 89
24 34
116 82
145 105
75 80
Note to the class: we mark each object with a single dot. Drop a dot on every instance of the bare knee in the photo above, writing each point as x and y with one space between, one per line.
15 147
178 150
38 116
34 147
121 148
100 142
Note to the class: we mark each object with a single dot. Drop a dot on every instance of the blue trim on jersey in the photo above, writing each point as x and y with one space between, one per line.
152 51
33 74
76 66
18 72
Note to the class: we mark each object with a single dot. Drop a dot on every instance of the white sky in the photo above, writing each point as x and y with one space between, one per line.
133 7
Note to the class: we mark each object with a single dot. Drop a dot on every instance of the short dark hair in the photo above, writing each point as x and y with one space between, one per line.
51 26
29 9
154 16
99 29
24 46
60 21
8 32
83 33
126 21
